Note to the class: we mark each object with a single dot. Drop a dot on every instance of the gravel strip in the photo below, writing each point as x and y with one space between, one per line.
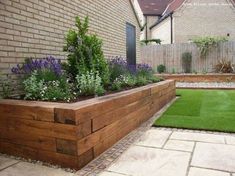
224 85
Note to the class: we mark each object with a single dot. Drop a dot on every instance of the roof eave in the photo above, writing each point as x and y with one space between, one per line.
161 20
135 13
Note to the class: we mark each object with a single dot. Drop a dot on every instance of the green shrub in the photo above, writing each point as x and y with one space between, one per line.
6 87
161 68
173 71
187 62
155 79
85 52
90 83
156 41
141 81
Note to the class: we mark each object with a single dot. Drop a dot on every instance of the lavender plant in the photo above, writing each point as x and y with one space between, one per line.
121 71
48 64
117 66
144 70
43 79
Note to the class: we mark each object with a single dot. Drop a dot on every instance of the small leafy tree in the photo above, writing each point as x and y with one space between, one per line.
205 44
187 62
85 52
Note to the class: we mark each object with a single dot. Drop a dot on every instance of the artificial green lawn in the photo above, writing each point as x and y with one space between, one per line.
201 109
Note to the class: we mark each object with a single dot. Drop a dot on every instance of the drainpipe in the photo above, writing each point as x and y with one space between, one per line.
171 29
146 27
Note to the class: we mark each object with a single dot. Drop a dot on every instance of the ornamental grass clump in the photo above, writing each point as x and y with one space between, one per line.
224 66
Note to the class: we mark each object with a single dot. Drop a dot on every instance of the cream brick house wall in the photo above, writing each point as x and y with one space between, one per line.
150 21
162 31
202 18
197 18
36 28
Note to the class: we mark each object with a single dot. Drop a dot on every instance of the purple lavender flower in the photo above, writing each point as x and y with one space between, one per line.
118 60
48 63
144 67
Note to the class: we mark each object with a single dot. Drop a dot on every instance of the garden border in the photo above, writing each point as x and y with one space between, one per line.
191 78
71 135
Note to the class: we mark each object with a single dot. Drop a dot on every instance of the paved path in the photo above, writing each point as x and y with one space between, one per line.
177 153
159 152
149 151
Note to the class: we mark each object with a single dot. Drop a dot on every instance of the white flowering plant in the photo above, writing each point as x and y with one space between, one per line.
123 81
37 88
90 83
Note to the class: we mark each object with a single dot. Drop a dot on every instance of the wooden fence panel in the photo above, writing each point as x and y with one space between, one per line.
170 56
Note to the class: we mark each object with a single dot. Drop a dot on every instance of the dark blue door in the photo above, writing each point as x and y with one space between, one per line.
131 44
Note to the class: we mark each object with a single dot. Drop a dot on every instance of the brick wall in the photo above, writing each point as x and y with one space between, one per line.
162 31
36 28
207 17
150 21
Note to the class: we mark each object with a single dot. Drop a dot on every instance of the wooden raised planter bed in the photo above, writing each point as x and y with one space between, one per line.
199 77
71 135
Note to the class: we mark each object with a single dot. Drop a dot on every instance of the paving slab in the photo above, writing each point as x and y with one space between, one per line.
214 156
206 172
200 137
143 161
179 145
29 169
230 140
154 138
6 162
111 174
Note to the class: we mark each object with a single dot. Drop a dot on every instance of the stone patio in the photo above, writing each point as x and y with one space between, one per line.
148 151
181 153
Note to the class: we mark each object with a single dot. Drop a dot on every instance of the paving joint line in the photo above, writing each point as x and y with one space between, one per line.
184 140
167 140
208 168
144 146
191 158
10 166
